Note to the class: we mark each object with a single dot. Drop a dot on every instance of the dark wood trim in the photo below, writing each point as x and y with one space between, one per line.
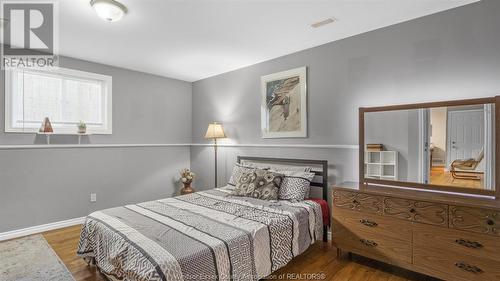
361 140
497 145
323 174
418 194
430 104
445 188
493 193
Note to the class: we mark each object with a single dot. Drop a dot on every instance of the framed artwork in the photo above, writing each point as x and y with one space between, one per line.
284 104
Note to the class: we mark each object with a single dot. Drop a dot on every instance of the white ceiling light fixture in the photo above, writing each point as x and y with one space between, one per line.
109 10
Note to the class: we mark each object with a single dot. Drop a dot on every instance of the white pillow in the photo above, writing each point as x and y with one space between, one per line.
285 168
255 165
276 167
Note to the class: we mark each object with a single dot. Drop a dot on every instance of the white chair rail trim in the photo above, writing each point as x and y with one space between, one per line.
328 146
67 146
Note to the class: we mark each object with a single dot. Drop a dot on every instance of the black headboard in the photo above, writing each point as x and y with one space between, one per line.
319 168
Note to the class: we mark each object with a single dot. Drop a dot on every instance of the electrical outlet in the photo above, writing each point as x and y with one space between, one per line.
93 197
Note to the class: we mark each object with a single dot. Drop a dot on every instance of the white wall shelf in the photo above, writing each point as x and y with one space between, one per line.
381 165
48 135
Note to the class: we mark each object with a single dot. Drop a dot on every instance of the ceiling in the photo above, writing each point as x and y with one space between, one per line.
195 39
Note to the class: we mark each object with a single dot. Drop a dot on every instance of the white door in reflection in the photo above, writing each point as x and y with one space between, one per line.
466 129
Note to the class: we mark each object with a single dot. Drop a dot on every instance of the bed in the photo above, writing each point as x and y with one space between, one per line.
208 235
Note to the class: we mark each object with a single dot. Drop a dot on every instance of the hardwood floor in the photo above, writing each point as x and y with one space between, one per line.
440 177
65 242
317 263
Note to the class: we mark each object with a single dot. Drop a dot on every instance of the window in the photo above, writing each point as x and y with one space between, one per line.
65 96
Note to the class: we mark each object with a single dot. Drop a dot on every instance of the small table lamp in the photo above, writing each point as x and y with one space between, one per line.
215 131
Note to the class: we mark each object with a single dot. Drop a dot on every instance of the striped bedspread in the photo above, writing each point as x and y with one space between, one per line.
207 235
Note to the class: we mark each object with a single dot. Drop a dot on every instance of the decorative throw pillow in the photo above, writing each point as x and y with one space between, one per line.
295 186
239 170
260 184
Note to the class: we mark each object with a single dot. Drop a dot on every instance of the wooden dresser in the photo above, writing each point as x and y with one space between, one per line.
446 236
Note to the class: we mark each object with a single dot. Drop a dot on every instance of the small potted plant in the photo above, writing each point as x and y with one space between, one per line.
82 128
187 178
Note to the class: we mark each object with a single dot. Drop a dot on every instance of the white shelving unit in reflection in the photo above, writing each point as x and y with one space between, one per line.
381 165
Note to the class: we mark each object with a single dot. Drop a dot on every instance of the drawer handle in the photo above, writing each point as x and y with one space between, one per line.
355 202
469 244
413 211
490 222
368 223
468 267
368 243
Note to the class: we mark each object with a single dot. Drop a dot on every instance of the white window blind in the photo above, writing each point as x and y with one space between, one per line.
65 96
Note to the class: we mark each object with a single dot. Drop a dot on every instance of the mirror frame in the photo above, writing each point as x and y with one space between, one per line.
432 187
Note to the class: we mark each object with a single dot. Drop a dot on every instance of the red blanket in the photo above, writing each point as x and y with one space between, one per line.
325 209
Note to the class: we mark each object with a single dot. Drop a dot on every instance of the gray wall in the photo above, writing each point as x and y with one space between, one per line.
451 55
146 109
48 185
439 123
39 186
397 131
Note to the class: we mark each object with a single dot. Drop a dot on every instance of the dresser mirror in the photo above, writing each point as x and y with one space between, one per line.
447 146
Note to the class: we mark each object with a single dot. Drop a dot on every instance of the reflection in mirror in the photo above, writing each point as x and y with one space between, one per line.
449 146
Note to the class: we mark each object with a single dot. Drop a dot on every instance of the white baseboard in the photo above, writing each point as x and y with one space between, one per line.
39 228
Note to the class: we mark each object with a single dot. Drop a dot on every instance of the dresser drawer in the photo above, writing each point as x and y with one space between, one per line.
372 245
358 222
358 201
416 211
476 245
476 220
454 266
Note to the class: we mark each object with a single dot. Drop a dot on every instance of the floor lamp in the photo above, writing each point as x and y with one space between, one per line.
215 131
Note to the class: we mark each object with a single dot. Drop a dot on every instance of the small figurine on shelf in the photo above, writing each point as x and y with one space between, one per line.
187 178
82 128
46 126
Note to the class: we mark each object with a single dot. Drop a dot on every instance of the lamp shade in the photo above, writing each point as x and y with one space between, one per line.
215 131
